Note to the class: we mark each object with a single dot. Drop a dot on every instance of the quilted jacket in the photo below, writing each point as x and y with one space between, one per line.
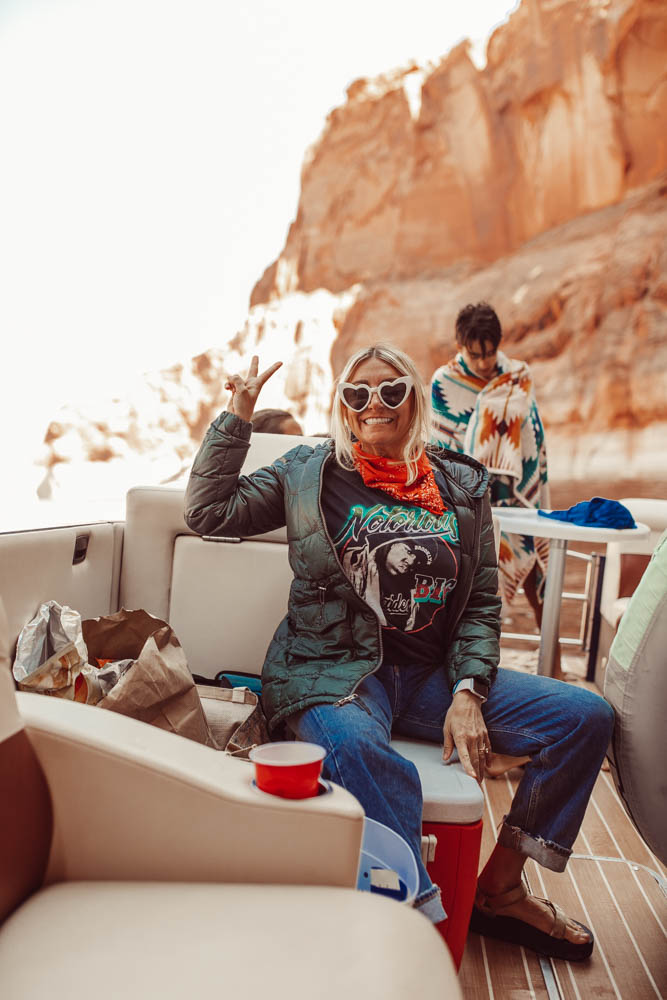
330 638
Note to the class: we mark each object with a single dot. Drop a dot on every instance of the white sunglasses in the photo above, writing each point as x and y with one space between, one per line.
392 394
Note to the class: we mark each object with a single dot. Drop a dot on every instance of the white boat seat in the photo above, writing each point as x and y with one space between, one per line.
625 561
131 802
135 940
636 687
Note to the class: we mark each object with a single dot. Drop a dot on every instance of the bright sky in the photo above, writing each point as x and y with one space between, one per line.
150 171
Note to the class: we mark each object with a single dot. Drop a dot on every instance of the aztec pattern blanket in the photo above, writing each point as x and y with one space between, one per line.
497 422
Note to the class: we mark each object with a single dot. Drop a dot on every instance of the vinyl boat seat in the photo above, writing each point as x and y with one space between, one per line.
139 864
636 688
209 591
140 939
625 563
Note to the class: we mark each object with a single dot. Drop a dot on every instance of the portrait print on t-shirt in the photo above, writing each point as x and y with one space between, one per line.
402 560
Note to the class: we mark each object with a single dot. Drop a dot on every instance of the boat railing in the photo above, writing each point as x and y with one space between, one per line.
589 624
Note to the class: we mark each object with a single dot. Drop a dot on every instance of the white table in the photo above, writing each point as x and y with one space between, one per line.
526 521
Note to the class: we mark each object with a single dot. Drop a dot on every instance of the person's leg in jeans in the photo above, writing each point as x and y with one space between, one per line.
356 735
565 730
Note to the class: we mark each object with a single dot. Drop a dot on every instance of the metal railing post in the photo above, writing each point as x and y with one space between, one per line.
593 629
551 608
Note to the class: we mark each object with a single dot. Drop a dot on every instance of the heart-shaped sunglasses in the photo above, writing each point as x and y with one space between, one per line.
357 396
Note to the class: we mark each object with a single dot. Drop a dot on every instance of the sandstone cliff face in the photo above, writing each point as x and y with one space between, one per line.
569 114
586 306
538 184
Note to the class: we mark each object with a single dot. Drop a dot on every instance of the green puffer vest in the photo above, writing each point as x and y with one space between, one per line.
330 638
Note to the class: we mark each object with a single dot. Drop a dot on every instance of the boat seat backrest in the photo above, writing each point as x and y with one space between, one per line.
626 561
223 598
169 868
39 565
635 685
227 600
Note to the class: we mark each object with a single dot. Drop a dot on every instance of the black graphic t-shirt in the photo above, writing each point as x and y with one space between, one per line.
403 560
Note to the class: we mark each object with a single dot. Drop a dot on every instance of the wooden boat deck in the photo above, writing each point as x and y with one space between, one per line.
624 906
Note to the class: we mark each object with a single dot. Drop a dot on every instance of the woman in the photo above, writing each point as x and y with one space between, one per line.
484 405
376 502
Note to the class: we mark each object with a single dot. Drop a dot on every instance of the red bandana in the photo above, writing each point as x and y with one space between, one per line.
390 476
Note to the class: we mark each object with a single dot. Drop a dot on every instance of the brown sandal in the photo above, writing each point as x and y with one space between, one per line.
486 919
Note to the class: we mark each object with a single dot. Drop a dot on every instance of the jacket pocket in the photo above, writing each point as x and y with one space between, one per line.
320 624
320 615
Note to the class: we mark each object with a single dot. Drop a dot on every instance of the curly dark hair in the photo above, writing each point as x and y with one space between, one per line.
478 323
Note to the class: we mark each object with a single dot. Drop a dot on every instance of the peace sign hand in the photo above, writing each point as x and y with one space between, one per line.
246 390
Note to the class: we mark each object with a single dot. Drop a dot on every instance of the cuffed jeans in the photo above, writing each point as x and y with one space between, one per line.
564 729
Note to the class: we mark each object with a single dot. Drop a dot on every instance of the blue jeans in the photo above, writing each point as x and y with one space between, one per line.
564 729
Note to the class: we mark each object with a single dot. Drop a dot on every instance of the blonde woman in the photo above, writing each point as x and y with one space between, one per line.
392 627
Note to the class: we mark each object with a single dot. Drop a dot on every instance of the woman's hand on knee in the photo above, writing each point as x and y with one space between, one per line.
465 729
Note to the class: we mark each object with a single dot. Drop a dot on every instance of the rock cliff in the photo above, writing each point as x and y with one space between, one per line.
421 170
538 183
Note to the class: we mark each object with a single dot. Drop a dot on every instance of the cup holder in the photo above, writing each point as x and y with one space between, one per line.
323 788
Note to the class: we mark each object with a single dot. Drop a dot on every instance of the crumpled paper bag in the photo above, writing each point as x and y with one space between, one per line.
235 719
158 688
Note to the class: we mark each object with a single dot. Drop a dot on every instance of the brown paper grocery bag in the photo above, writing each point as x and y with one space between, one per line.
158 688
235 718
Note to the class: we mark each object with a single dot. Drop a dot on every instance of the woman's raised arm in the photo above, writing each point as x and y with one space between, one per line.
218 500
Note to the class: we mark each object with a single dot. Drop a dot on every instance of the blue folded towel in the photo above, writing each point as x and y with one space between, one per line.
597 513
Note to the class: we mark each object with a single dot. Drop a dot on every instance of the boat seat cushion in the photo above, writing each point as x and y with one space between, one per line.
636 688
626 560
136 940
226 601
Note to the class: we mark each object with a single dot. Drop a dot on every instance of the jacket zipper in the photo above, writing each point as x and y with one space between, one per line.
475 551
354 697
322 589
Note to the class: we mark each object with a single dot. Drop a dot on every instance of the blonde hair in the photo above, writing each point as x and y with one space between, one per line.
419 433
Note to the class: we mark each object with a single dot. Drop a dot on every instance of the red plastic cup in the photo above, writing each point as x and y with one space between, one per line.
291 770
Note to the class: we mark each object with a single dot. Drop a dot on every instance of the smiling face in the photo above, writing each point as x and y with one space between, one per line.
380 431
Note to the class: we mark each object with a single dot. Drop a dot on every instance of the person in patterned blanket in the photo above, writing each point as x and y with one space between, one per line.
484 405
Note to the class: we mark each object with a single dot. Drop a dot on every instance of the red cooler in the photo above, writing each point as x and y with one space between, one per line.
452 835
